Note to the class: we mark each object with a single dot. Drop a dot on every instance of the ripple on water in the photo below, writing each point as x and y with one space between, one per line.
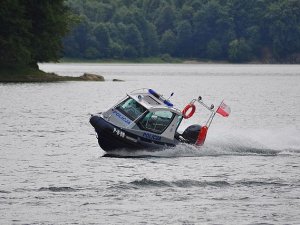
58 189
186 183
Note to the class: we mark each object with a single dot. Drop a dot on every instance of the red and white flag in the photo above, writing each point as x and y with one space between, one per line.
223 109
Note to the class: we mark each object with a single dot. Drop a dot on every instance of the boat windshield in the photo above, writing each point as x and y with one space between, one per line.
156 122
131 108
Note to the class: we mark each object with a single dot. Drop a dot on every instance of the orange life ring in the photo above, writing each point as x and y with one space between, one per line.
186 109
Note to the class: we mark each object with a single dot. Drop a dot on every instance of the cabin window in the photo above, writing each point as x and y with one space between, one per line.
131 108
156 122
179 121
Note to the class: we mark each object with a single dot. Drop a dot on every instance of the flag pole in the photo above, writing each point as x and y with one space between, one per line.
213 112
212 116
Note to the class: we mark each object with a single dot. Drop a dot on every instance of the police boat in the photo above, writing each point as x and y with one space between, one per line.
145 120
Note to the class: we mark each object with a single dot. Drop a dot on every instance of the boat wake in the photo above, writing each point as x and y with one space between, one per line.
239 143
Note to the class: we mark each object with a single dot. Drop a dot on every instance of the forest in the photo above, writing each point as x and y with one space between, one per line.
237 31
230 30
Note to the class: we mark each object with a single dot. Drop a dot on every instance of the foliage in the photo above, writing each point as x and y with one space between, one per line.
235 30
168 43
239 51
31 31
14 33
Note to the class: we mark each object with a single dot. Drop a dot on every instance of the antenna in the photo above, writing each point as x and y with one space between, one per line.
171 95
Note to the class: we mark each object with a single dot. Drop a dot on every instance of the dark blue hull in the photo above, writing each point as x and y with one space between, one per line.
110 140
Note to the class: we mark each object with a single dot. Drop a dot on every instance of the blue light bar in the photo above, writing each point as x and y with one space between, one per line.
156 95
152 92
167 103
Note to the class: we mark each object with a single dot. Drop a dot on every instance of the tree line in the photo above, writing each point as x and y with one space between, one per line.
234 30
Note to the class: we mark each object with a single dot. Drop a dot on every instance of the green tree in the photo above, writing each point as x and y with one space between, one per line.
133 39
78 40
168 43
239 51
283 18
50 20
102 39
151 43
91 53
165 20
14 34
184 39
214 49
116 50
32 31
212 21
187 12
254 38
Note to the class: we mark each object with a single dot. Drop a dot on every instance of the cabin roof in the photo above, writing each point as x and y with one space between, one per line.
151 102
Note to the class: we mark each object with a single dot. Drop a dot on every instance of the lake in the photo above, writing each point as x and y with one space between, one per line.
248 171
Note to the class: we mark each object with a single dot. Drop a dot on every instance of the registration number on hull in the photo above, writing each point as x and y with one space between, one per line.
119 133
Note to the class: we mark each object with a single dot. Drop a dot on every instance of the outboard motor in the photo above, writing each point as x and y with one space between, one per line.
195 134
191 133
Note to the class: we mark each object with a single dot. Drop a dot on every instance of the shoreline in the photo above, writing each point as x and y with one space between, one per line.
32 75
158 60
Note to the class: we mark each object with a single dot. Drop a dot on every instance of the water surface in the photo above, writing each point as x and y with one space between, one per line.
52 169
